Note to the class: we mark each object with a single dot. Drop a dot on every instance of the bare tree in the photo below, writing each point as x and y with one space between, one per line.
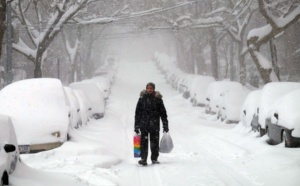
55 14
72 52
280 15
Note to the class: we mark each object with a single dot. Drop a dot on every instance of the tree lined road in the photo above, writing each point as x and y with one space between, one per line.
206 152
193 160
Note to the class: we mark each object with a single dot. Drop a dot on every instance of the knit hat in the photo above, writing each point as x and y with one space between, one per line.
151 84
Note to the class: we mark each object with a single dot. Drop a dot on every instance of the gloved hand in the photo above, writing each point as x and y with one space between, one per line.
137 130
166 130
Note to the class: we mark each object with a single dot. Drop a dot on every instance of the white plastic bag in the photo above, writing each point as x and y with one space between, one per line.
166 143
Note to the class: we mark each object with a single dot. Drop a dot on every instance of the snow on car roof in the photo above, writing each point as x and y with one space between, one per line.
215 89
233 101
93 93
199 87
270 93
287 107
37 108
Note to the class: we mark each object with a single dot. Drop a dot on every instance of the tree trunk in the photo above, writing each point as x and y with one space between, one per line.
2 22
71 74
264 72
213 53
201 66
291 58
78 69
38 67
241 59
89 70
226 67
231 57
274 58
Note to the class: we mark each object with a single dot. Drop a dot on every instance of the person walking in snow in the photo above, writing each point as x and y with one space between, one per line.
149 110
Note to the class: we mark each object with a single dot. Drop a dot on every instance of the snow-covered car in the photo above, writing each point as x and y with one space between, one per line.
184 85
85 106
9 154
231 105
270 93
103 83
198 90
249 111
39 113
108 68
163 62
283 120
214 94
95 96
187 85
176 80
106 72
72 101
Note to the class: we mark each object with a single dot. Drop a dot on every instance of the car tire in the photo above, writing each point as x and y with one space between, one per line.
267 131
261 131
4 179
194 102
284 139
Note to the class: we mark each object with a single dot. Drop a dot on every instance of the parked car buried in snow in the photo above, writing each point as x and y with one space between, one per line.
39 113
9 154
103 84
186 85
270 93
198 89
95 96
73 103
283 120
85 106
214 94
249 111
231 105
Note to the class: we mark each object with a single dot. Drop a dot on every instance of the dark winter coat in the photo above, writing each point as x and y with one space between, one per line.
149 110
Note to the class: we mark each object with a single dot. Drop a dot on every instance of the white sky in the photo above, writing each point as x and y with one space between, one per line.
206 152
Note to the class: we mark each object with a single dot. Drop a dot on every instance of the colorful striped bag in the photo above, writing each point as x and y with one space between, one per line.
137 145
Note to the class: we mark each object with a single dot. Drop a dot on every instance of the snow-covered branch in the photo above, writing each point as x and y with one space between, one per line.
25 50
277 23
61 12
208 22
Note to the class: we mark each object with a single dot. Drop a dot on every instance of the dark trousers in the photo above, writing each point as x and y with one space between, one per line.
154 144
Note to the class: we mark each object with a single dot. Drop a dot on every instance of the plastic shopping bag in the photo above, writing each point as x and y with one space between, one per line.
166 143
137 145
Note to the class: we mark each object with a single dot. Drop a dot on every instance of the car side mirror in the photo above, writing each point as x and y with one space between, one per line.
244 112
276 115
9 148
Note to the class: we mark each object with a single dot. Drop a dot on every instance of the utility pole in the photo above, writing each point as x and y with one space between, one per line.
9 74
58 68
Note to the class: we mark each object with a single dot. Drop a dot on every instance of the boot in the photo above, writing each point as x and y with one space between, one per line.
155 162
143 162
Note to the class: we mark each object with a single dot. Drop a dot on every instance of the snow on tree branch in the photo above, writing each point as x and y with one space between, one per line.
25 50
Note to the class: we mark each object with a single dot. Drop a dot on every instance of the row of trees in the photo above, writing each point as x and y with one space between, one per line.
242 40
240 32
42 27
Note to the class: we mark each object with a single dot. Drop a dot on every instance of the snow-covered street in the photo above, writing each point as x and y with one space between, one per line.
206 152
